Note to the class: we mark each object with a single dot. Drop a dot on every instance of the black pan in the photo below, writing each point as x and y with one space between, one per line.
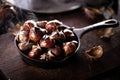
79 33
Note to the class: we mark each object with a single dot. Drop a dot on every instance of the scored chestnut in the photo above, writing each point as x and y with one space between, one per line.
41 23
35 34
46 42
50 56
30 23
68 33
69 47
51 26
58 36
35 51
23 36
25 46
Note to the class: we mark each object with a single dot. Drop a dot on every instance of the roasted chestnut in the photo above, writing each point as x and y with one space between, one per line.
35 34
52 25
58 36
25 28
68 33
41 23
69 47
25 46
23 36
30 23
56 51
46 42
35 51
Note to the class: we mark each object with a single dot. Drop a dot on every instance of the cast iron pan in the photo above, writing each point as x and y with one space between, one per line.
79 33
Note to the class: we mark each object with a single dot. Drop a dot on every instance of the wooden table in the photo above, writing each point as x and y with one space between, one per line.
78 69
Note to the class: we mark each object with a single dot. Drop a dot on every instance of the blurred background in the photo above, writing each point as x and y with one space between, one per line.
13 12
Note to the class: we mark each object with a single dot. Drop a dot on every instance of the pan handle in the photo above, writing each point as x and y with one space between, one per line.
107 23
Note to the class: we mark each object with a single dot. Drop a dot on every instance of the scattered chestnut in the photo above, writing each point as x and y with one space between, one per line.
46 42
94 53
35 51
105 32
35 34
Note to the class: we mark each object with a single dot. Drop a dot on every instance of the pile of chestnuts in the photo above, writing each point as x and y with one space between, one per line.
46 40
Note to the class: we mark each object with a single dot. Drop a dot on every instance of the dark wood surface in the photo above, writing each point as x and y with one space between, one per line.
79 68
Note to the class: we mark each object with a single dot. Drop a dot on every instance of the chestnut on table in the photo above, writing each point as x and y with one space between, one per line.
77 68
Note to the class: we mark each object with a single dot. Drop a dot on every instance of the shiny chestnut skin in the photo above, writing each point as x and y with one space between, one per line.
23 36
41 23
69 47
51 26
56 50
55 35
25 28
68 33
35 34
46 42
58 36
30 23
25 46
34 52
27 25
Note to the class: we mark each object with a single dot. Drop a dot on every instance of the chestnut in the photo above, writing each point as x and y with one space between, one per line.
55 35
56 50
69 47
51 26
68 33
35 51
58 36
25 28
46 42
25 46
62 36
30 23
35 34
41 23
23 36
94 53
50 56
105 32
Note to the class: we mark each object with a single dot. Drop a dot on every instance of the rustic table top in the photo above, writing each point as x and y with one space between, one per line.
78 68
